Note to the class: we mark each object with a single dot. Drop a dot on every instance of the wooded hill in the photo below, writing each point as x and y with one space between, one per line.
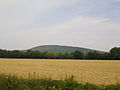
114 53
61 49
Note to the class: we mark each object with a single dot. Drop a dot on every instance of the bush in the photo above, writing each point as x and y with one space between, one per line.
8 82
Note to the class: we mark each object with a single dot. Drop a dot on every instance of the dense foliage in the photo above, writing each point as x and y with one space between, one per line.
8 82
59 48
113 54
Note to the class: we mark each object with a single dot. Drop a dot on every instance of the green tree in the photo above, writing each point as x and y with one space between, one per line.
94 55
77 55
51 55
59 55
67 56
115 53
14 54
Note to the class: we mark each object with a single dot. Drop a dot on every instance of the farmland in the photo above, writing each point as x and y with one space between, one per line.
92 71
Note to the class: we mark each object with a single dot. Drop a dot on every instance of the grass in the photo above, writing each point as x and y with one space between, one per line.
97 72
12 82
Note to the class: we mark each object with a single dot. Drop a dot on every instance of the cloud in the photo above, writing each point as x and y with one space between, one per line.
92 32
18 29
17 17
23 12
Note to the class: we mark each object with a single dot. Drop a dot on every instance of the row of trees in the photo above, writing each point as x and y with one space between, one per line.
113 54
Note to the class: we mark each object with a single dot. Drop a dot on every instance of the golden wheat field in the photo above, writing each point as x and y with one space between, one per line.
93 71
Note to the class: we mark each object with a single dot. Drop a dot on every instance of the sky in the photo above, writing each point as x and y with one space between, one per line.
91 24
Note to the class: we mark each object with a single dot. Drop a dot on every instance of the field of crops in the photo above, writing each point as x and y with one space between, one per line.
92 71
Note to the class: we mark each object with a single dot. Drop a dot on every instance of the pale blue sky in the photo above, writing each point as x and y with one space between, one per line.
83 23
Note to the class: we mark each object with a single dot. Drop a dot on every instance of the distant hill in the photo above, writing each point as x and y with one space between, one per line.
60 49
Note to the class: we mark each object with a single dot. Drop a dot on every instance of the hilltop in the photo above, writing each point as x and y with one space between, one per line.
60 49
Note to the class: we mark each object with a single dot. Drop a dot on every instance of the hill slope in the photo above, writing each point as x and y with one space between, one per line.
60 49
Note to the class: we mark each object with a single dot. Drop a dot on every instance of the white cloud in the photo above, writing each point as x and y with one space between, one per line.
23 12
17 16
89 32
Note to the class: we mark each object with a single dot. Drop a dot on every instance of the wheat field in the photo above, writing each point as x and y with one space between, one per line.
92 71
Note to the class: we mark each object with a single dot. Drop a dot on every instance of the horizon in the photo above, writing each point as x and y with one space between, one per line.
79 23
60 46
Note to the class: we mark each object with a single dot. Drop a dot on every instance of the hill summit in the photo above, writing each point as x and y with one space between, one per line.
60 49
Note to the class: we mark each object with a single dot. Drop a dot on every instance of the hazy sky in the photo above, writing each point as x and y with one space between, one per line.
83 23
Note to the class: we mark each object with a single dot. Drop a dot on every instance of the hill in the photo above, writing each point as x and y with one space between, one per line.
60 49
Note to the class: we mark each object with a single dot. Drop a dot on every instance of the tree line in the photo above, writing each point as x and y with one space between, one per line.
114 53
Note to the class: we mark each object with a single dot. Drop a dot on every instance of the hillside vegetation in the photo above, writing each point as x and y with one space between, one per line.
60 49
114 53
8 82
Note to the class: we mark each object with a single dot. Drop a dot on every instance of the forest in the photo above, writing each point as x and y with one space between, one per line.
113 54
